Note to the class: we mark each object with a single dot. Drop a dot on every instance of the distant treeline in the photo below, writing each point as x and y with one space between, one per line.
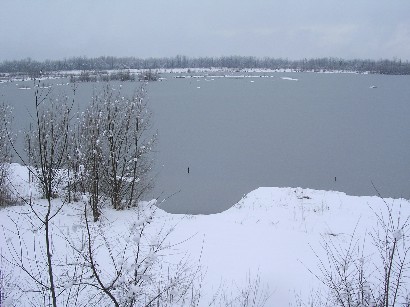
120 75
32 67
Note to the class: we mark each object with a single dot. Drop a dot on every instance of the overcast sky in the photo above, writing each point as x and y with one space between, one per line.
294 29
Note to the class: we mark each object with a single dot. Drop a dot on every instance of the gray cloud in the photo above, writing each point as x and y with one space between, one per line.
52 29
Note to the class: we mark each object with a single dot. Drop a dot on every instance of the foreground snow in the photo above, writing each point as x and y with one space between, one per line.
271 235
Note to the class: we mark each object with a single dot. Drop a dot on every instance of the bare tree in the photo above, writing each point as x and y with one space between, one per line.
116 147
5 154
47 144
89 156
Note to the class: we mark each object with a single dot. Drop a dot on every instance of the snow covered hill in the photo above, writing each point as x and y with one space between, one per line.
267 247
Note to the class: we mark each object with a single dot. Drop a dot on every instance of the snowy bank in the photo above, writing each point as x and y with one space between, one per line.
274 235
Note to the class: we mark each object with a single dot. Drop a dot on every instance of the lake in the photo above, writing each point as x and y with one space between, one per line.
310 130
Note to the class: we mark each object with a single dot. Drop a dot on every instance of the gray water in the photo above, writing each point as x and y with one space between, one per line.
236 135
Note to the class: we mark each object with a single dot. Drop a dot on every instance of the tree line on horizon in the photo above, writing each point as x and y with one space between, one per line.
34 67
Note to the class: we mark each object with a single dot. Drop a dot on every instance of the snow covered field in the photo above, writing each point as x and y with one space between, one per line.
269 245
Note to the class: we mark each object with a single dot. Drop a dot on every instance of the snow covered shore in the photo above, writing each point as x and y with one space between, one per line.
272 238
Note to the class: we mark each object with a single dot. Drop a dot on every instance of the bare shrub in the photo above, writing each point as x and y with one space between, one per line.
254 294
379 278
116 147
92 265
96 264
130 272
